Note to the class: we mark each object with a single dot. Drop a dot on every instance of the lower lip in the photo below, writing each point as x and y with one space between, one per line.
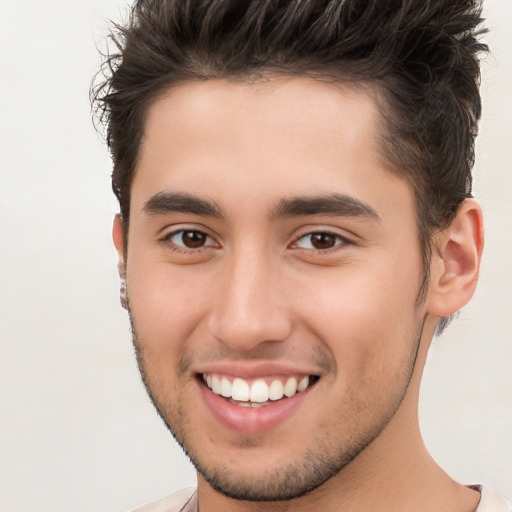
251 420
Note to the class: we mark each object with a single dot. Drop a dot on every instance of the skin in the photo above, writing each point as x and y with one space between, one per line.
253 289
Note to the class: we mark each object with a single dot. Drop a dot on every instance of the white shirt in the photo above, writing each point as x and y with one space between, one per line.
186 501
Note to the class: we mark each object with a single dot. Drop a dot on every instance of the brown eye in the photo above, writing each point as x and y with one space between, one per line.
193 239
189 239
323 240
319 241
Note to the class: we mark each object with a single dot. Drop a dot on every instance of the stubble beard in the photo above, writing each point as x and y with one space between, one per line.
321 462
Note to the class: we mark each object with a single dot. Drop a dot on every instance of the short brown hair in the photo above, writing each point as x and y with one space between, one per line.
420 56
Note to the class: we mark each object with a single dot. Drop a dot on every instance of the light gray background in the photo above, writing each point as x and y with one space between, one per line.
77 430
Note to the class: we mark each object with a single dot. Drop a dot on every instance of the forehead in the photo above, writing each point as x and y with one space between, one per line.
271 139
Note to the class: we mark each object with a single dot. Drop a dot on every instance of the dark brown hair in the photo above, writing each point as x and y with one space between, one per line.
420 57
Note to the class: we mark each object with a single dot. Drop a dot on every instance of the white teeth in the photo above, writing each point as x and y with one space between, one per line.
253 405
259 391
256 394
303 384
290 388
276 390
240 390
215 387
225 387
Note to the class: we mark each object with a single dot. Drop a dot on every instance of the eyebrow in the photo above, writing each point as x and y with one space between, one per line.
331 204
178 202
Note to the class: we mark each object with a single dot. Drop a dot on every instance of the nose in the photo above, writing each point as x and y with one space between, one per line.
250 308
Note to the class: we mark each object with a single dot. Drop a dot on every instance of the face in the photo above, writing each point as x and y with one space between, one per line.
272 270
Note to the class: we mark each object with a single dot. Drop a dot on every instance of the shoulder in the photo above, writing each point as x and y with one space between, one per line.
181 501
491 501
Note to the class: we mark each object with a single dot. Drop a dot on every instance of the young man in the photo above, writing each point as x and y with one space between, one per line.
296 221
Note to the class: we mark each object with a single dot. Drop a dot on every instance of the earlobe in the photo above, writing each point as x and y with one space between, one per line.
118 238
456 260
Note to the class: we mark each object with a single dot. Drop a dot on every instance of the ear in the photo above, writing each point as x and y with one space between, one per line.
456 257
119 243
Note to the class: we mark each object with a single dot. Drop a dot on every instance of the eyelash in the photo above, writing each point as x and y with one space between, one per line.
167 240
339 239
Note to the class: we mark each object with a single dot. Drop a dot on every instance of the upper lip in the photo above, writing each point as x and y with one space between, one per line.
255 370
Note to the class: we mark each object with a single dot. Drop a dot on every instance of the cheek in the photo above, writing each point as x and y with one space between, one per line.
365 315
166 305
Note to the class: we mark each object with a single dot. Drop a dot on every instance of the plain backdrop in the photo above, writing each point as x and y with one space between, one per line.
77 430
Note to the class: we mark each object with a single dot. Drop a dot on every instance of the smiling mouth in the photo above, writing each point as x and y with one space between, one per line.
258 392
